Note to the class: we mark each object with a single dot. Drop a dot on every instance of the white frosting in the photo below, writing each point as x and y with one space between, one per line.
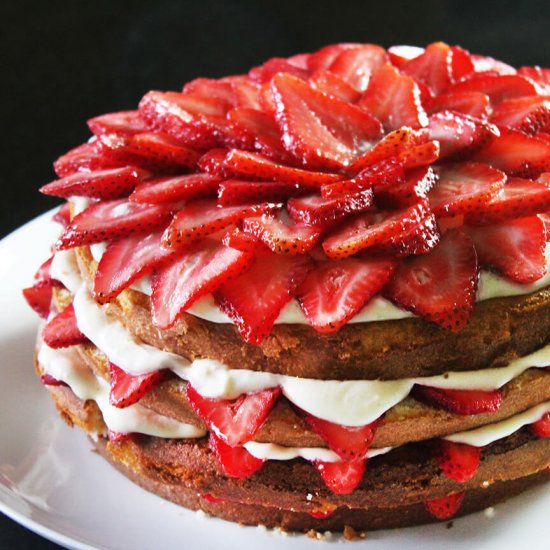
499 430
65 270
349 402
65 365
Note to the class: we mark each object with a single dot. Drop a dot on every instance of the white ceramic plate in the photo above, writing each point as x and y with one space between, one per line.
52 483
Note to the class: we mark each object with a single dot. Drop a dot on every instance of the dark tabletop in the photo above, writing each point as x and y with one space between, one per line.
64 62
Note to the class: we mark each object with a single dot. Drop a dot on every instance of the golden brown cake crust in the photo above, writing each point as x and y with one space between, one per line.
499 331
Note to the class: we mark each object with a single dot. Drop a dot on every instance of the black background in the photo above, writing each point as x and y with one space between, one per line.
64 62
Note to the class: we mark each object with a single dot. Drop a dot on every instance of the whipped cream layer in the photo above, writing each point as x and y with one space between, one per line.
490 286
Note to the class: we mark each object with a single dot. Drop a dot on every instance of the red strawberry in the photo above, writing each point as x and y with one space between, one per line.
238 239
126 260
123 122
518 198
334 292
321 131
497 87
200 270
433 67
517 154
235 461
342 477
316 210
462 64
412 190
441 285
234 421
399 55
127 389
232 192
420 155
458 461
463 402
49 380
539 75
323 58
321 513
379 175
365 231
264 73
210 87
84 158
282 238
458 134
394 99
119 437
464 187
211 498
103 221
156 152
199 219
213 162
483 64
355 65
247 93
445 507
252 165
255 299
527 114
474 104
332 84
62 331
176 188
104 184
514 247
39 298
542 427
63 215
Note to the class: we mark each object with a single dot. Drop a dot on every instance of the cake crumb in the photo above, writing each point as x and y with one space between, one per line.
261 527
450 525
351 534
489 512
201 513
313 534
281 531
485 484
309 497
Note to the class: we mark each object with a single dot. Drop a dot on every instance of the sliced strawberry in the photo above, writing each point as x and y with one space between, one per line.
232 192
514 247
119 437
247 93
199 219
213 162
234 461
539 75
464 187
255 299
125 261
156 152
407 192
518 198
439 286
365 231
463 402
176 188
420 155
280 237
332 84
321 513
462 64
355 65
517 154
458 461
238 239
484 64
458 134
323 58
394 99
253 165
320 130
527 114
542 427
433 67
62 331
234 421
474 104
122 122
127 389
211 498
445 507
49 380
210 87
103 184
264 73
399 55
334 292
84 158
379 175
497 87
107 220
63 215
349 442
198 271
39 298
316 210
342 477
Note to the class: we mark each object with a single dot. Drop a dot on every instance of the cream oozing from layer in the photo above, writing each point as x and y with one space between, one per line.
490 286
346 402
65 365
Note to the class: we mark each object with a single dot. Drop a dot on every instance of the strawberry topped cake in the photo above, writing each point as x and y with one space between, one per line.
313 296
